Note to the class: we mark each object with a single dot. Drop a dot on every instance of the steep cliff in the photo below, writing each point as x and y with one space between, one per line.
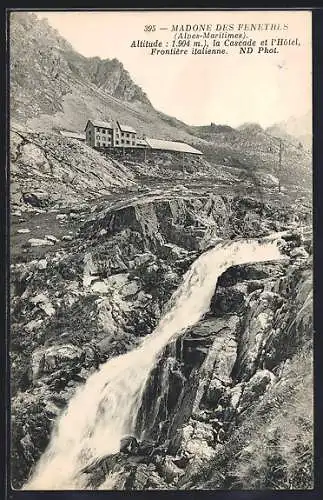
44 68
54 87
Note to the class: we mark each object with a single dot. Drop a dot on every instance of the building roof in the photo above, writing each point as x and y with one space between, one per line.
73 135
142 142
101 124
126 128
172 146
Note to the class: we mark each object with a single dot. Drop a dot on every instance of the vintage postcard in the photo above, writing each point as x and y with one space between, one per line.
161 250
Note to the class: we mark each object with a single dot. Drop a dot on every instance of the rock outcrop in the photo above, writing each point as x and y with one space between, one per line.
50 61
206 400
102 293
51 169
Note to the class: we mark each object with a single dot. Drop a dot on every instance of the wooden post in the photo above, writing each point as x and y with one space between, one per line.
145 152
183 164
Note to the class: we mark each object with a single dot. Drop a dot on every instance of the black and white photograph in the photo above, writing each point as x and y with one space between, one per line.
161 299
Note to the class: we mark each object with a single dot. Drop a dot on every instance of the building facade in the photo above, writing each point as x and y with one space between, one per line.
125 136
100 134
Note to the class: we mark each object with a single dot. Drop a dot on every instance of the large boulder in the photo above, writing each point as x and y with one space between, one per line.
48 360
255 388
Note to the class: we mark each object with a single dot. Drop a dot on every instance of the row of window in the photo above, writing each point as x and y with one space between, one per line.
122 142
133 143
123 134
110 131
98 137
104 131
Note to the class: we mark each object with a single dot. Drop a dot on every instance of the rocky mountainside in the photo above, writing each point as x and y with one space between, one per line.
47 59
52 169
99 242
252 148
53 87
76 306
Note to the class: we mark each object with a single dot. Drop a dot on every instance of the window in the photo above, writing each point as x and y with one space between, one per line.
133 143
117 142
122 134
128 142
122 141
127 135
103 131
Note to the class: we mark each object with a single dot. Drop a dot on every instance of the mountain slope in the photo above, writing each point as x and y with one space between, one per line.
56 169
47 60
53 87
252 148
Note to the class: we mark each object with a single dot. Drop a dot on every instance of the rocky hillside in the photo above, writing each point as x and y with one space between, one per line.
252 148
53 87
49 169
99 242
47 59
97 296
54 171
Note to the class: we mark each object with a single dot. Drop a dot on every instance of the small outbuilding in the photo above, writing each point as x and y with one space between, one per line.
180 147
73 135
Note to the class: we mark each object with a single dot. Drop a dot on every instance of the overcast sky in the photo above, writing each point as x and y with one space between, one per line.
199 89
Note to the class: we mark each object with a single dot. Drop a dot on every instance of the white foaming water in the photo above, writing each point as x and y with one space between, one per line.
104 410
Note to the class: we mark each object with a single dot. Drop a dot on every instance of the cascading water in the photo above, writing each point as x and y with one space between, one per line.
104 410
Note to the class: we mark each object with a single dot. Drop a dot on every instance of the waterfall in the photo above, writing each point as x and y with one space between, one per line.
104 410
